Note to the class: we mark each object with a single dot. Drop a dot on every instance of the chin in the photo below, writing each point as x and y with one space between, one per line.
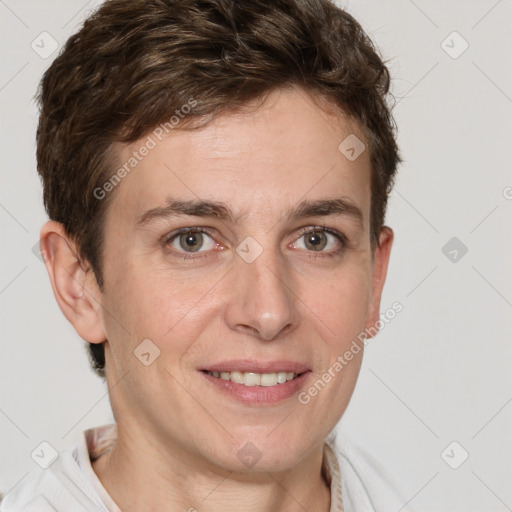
269 452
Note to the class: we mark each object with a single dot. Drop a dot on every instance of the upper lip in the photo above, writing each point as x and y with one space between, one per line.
245 365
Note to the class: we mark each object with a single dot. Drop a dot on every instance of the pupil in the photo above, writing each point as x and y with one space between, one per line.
315 240
193 241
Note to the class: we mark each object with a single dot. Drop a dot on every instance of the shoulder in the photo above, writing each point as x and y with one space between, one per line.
33 493
366 483
62 487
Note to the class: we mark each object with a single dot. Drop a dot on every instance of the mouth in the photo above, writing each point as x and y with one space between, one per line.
255 382
254 379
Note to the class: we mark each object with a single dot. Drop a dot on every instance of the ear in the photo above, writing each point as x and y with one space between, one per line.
379 272
74 287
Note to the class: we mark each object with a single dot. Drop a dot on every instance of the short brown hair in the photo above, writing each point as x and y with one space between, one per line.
134 63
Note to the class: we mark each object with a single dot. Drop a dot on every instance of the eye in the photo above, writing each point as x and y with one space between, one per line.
321 239
191 240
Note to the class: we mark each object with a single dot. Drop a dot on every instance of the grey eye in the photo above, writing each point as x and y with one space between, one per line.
315 240
192 241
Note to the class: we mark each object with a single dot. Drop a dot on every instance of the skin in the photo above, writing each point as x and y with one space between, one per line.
179 436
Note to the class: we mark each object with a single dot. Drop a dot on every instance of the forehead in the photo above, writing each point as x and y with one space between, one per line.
255 161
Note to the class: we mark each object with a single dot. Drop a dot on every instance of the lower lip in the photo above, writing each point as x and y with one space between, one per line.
259 395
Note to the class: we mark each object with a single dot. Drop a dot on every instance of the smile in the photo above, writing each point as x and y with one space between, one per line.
255 379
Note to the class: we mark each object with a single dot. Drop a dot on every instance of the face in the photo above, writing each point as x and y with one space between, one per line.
274 266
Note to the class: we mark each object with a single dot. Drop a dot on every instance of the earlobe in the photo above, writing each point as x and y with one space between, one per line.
77 295
379 272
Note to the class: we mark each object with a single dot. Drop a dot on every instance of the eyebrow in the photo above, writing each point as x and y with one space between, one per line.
326 207
219 210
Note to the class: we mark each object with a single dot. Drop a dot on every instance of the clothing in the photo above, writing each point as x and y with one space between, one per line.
356 480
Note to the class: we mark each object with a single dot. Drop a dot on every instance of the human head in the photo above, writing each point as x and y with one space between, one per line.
135 65
271 90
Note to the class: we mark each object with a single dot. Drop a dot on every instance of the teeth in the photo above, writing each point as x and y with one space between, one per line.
255 379
237 377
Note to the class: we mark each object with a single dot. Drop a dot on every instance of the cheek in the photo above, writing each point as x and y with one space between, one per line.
152 303
342 303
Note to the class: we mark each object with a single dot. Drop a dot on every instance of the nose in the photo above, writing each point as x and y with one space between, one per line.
262 301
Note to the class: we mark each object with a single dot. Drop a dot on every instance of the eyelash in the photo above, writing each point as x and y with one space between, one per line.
342 239
184 255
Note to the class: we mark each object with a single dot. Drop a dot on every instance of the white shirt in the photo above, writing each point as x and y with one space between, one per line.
357 481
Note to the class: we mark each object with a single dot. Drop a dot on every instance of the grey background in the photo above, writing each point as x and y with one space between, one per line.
438 373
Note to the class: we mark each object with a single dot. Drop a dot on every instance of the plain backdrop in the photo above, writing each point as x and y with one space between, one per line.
435 385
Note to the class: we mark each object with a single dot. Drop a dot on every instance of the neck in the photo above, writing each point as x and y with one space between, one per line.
142 476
